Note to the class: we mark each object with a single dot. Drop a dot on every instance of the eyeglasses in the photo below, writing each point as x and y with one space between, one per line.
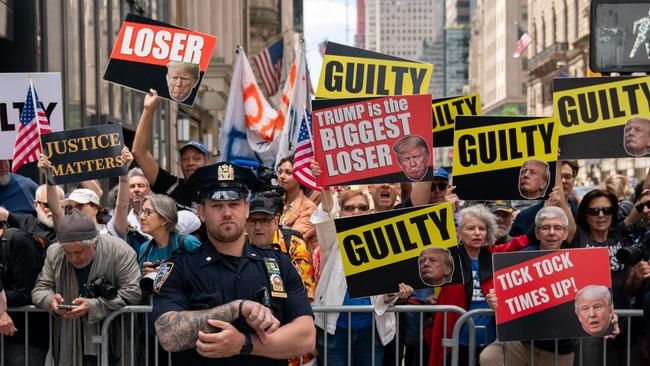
146 212
440 186
641 205
567 177
547 228
43 204
595 211
350 208
261 221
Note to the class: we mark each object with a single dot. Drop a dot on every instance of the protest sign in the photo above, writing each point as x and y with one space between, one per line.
382 249
85 153
444 112
149 54
537 293
610 115
504 157
12 100
377 140
354 72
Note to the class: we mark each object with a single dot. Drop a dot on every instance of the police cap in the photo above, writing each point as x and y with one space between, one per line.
222 182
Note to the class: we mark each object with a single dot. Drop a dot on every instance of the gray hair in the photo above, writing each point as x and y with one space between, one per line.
84 242
136 172
551 212
482 213
43 188
166 207
593 292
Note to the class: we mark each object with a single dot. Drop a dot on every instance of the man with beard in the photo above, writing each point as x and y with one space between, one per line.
16 191
42 226
229 299
502 210
383 196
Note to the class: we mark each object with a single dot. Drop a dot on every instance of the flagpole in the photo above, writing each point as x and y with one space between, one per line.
38 122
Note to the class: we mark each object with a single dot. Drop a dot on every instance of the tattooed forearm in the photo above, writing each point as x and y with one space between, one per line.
179 330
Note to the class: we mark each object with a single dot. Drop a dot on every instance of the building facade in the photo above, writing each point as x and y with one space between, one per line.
398 27
360 35
493 72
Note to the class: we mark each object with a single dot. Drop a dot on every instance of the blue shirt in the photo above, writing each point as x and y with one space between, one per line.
18 195
359 320
485 335
154 254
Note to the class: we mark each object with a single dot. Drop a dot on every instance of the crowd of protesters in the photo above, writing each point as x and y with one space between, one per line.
66 256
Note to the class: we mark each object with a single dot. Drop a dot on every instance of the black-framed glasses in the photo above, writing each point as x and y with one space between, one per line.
439 186
641 205
350 208
146 212
43 204
595 211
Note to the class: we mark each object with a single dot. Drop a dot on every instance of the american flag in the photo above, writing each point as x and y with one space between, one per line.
322 47
269 65
523 40
303 155
28 141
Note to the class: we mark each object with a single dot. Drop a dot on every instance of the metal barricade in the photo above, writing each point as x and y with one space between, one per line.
466 319
104 339
26 312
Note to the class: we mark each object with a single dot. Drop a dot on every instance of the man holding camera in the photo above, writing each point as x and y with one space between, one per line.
85 277
230 300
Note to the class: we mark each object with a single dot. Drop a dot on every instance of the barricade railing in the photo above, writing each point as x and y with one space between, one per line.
130 312
421 309
466 319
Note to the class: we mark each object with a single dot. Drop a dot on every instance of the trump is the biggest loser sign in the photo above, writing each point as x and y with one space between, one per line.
149 54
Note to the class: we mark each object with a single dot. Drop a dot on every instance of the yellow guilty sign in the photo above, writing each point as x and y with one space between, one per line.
392 240
444 112
503 146
346 76
601 106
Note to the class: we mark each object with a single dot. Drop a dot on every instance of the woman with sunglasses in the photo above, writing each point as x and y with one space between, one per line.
297 207
332 290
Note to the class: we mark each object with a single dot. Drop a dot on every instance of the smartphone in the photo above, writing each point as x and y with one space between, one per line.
67 306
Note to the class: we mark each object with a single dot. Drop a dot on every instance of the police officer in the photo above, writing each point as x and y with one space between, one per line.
230 300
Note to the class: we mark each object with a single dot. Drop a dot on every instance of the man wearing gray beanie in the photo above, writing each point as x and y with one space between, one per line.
85 276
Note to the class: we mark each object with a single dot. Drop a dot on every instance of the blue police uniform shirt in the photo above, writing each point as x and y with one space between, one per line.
206 278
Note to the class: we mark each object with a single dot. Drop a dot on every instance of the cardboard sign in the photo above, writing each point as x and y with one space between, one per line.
373 140
382 249
149 54
85 153
537 293
12 100
504 157
611 115
354 72
444 113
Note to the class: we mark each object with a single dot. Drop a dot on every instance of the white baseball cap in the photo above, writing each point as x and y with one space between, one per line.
82 195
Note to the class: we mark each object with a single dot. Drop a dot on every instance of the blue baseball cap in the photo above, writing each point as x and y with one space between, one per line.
195 144
441 173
